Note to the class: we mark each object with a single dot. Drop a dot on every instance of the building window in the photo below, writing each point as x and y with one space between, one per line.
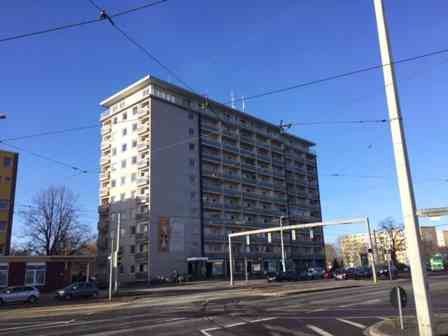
35 274
191 146
113 183
121 268
133 177
192 162
133 232
123 163
133 194
115 121
124 147
190 115
141 267
191 131
134 143
134 160
122 196
124 131
192 178
7 162
2 225
114 151
134 110
3 275
123 180
141 248
132 269
125 116
192 195
132 249
4 204
134 127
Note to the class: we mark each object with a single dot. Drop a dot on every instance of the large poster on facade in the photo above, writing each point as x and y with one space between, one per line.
164 234
177 237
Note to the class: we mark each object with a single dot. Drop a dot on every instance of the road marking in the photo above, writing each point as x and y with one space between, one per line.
235 324
263 319
318 330
362 303
357 325
48 324
206 331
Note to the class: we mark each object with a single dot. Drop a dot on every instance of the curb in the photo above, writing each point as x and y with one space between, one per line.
374 330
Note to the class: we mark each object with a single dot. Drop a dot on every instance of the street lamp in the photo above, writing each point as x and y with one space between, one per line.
282 244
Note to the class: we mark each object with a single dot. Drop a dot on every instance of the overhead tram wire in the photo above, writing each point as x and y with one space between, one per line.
81 23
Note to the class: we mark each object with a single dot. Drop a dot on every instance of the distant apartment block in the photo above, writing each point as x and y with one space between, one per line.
8 177
354 248
183 171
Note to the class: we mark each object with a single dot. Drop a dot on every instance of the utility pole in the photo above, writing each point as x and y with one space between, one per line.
282 244
418 274
117 248
371 250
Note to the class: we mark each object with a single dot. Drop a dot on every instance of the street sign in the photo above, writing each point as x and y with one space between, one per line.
394 297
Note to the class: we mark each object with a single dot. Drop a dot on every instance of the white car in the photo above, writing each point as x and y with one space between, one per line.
19 294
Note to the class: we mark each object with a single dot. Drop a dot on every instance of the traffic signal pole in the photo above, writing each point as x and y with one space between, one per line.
408 208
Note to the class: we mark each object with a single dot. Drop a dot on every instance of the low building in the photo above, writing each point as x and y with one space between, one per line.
47 273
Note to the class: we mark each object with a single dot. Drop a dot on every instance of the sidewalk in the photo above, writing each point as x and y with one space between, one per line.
391 327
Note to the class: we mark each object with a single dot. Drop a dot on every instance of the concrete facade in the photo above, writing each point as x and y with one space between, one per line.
186 172
8 178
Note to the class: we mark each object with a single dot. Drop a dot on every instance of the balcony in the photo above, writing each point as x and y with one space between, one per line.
212 188
232 162
104 192
230 147
211 143
264 157
141 256
250 195
232 192
249 180
278 162
142 181
143 147
301 182
229 206
230 133
143 129
280 174
265 184
106 129
248 167
247 139
105 176
211 172
264 171
212 205
105 160
276 148
143 163
281 200
210 127
247 153
246 126
279 186
143 111
263 145
215 157
105 144
231 177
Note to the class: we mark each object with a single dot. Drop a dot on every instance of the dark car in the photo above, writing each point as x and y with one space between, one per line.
328 274
283 276
344 274
78 290
383 272
362 273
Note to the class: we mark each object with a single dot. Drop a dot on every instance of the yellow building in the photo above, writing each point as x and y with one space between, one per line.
8 177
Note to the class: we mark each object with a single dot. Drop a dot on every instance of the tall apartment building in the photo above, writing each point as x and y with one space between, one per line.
184 171
8 177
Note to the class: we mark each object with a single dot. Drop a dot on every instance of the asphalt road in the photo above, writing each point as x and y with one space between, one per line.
275 310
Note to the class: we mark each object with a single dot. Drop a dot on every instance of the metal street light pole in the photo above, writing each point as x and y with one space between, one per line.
117 248
282 244
418 274
372 250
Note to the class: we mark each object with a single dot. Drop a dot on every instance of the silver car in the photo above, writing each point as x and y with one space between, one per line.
19 294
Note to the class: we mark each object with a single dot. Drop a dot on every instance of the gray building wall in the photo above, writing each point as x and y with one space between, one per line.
174 188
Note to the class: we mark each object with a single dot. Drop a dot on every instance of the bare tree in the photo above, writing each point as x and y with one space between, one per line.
52 225
395 234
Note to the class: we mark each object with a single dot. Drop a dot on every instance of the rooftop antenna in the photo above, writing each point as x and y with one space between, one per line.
243 102
232 99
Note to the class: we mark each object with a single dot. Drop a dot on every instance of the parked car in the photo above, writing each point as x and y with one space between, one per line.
315 273
19 294
383 272
339 274
78 290
362 273
328 274
283 276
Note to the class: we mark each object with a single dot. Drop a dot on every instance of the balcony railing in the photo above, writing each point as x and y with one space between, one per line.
143 163
248 166
211 172
265 171
246 126
142 181
232 192
263 145
230 133
212 188
143 146
278 162
209 127
141 237
232 206
247 139
265 184
233 162
264 157
211 143
142 129
232 177
105 160
249 180
247 153
212 205
229 147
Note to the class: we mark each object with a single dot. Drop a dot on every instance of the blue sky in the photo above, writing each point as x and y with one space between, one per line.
56 81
